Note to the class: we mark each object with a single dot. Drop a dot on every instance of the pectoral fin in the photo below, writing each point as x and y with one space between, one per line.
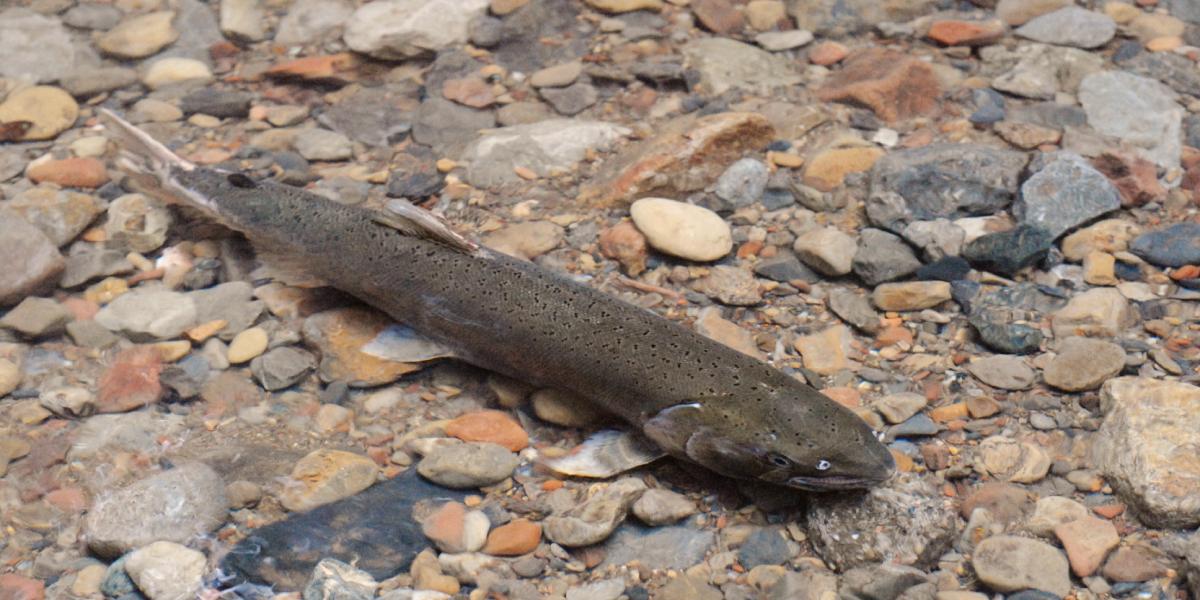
605 454
401 343
410 220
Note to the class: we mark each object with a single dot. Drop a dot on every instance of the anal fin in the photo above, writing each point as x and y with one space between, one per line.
605 454
401 343
410 220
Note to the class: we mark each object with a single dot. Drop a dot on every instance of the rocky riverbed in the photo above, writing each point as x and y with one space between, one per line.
973 223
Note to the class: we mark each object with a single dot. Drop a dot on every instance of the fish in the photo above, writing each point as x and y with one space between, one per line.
693 398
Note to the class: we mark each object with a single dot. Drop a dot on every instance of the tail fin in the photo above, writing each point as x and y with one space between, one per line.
141 155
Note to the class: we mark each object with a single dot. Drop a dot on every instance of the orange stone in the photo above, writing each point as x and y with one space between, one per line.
68 499
848 397
131 381
517 537
469 91
718 16
445 526
893 84
828 169
18 587
893 335
827 53
1109 511
904 462
624 243
70 172
341 335
489 426
950 412
953 32
341 67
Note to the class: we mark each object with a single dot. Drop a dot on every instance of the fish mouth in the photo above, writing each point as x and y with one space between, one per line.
834 483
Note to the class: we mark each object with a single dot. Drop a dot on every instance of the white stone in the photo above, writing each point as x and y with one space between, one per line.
167 571
543 147
681 229
398 29
171 70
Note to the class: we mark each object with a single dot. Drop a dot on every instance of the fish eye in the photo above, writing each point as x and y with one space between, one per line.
779 460
823 465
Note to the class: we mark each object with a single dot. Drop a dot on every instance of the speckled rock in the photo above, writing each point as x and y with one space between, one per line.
1084 364
594 519
1007 563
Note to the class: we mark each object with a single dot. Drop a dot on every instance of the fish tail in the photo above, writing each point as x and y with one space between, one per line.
141 155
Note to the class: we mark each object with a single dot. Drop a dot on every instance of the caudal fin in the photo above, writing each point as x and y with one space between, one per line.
141 155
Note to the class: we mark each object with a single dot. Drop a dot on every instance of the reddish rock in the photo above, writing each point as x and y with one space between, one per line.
18 587
521 536
623 242
229 390
342 334
338 68
68 499
70 172
846 396
1087 541
689 154
1134 563
444 527
1007 503
131 381
489 426
718 16
1136 178
893 84
827 53
469 91
954 32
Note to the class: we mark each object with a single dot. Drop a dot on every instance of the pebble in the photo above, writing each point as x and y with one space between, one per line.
1004 372
223 104
322 144
87 580
1008 563
1013 461
139 36
827 352
10 377
1083 364
1052 511
401 29
527 240
167 571
764 547
657 507
49 110
684 230
1098 312
594 519
468 465
743 182
36 317
827 250
137 222
69 172
731 285
954 32
515 538
1173 246
605 589
453 528
309 20
1137 110
1070 26
243 20
723 64
892 84
559 75
626 244
1065 193
1018 12
1008 252
361 346
188 499
282 367
62 215
688 587
489 426
564 408
1133 564
1087 541
913 295
779 41
35 47
325 476
711 325
898 408
883 257
172 70
247 345
147 314
827 170
1146 423
544 147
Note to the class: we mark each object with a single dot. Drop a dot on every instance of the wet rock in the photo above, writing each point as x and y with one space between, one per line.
544 148
950 268
594 519
625 243
10 377
167 571
311 20
335 580
1011 460
1133 563
683 230
913 295
711 325
854 309
173 70
518 537
1142 448
881 582
137 222
667 547
1083 364
785 267
1008 252
778 41
282 367
827 352
324 476
350 341
322 144
1040 72
1053 511
836 18
489 426
87 82
376 116
35 47
743 182
688 587
942 181
139 36
400 29
565 409
468 465
1098 312
1173 246
60 214
186 501
827 170
1064 194
526 240
892 84
904 522
36 317
1138 111
658 507
731 285
688 154
1007 563
1109 235
898 408
827 250
573 99
882 257
1004 372
215 102
724 64
448 127
1087 541
452 528
764 547
377 531
243 20
49 110
1070 26
146 314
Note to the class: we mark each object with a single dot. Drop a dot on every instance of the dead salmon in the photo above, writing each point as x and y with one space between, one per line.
692 397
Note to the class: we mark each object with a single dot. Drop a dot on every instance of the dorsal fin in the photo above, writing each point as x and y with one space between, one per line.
410 220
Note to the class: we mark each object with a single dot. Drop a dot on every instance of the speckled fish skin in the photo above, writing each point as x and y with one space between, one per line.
696 398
